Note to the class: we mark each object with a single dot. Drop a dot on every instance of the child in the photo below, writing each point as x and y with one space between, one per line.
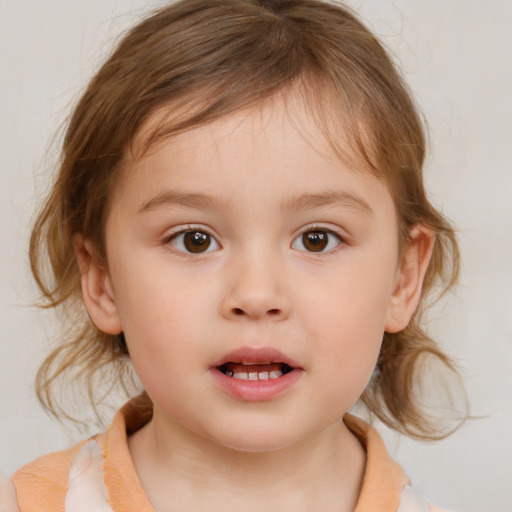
240 208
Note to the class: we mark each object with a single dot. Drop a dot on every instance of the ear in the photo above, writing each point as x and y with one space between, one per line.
409 282
96 287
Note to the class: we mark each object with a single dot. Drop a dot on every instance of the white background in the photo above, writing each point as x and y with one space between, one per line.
456 55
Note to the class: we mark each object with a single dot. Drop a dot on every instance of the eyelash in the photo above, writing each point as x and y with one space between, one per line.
319 229
174 237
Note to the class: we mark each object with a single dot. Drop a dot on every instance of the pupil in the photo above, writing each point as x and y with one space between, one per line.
195 241
315 241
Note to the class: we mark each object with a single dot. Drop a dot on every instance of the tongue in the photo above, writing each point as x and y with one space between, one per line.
252 368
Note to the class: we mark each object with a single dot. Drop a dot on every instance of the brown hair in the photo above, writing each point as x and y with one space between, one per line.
205 59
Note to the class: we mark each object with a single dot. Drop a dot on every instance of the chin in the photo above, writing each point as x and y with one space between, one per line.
257 438
259 444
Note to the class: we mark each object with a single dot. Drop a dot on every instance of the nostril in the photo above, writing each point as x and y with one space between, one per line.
271 312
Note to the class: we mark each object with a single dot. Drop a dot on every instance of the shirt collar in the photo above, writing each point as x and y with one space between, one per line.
381 490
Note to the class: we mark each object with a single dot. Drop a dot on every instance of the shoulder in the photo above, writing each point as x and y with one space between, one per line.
42 484
8 499
54 466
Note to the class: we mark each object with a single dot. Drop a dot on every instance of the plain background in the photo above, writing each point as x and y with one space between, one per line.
456 56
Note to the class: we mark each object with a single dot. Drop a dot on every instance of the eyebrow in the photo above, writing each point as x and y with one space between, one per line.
292 204
172 198
329 198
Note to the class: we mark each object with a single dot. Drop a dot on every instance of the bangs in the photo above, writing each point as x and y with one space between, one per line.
348 138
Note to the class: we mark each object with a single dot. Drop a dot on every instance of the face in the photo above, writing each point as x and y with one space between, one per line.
253 277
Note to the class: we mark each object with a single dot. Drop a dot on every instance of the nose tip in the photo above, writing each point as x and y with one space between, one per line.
256 281
255 293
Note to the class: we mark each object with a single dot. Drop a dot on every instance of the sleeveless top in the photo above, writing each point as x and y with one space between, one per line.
100 471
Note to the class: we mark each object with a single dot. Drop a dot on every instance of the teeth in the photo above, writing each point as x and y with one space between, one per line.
256 376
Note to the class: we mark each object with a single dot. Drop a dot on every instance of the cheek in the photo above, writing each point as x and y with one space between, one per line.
352 342
161 314
355 303
348 327
150 292
163 342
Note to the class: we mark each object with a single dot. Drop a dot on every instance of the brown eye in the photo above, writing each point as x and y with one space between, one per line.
194 242
317 241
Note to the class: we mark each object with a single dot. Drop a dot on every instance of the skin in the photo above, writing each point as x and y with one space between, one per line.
257 285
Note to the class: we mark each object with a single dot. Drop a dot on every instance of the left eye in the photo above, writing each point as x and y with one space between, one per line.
317 240
194 241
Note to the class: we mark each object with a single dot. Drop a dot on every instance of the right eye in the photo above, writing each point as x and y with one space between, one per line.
194 241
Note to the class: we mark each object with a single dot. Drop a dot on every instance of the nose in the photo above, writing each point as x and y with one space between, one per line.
256 289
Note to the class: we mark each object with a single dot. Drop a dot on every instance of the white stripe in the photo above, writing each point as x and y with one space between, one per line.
87 490
411 502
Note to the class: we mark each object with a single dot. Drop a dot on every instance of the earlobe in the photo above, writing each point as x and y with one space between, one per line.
409 283
97 290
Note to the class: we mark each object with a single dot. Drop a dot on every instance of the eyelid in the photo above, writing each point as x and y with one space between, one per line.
341 234
184 228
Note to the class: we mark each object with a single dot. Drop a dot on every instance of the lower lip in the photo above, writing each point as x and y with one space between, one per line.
256 390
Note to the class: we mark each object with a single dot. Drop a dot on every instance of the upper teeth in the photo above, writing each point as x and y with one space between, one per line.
256 375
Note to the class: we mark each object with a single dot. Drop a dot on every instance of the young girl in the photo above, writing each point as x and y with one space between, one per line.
240 209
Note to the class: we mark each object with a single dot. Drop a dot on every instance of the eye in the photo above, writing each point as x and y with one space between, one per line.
194 241
317 240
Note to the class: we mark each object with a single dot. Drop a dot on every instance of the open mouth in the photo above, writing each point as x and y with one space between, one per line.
256 374
255 371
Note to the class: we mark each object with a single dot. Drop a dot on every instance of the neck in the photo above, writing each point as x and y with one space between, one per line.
180 470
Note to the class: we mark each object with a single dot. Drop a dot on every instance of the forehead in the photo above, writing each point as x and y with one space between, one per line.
315 110
274 150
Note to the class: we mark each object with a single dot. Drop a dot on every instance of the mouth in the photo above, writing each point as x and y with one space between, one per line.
255 371
256 374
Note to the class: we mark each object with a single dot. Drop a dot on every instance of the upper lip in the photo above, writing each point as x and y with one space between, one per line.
252 355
